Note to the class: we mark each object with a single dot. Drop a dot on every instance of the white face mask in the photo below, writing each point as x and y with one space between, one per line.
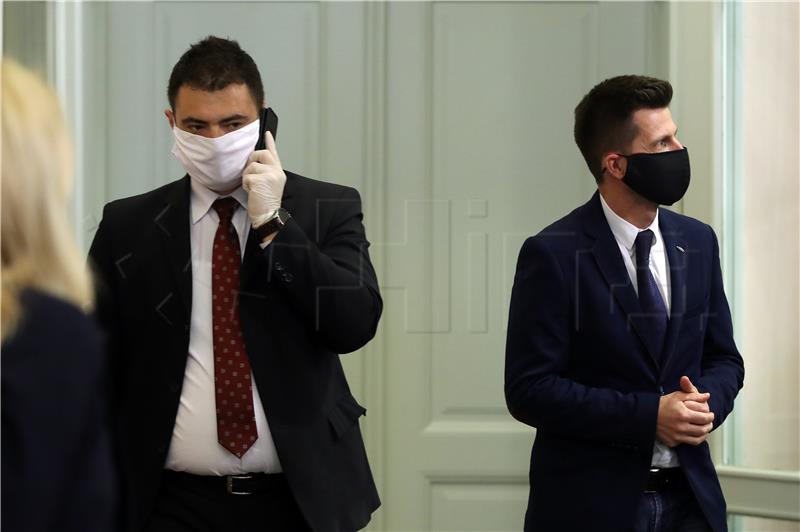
216 163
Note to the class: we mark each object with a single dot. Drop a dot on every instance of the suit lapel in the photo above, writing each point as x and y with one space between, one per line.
173 225
609 260
675 248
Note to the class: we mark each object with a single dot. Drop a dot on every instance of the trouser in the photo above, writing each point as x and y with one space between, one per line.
192 503
669 505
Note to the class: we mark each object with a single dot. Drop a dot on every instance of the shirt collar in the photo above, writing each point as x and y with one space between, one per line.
625 232
202 199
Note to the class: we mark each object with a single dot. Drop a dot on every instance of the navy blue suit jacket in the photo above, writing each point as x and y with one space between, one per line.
581 368
57 465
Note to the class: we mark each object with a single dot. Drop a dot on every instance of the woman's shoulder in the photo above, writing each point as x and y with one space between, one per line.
53 330
56 315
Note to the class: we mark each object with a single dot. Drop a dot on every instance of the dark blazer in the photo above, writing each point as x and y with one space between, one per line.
57 466
580 368
310 295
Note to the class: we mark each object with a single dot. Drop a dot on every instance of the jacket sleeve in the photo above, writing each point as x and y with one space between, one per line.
537 357
722 367
333 283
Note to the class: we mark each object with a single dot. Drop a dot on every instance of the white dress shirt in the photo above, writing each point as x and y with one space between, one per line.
625 235
194 446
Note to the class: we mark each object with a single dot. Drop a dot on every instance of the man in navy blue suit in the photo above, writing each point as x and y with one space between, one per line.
620 347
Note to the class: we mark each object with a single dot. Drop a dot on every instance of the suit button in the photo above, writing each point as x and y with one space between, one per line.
161 449
174 387
279 266
287 277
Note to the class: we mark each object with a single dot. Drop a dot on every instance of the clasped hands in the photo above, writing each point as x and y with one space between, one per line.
684 416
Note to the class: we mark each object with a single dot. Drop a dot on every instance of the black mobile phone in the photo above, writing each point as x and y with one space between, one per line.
268 121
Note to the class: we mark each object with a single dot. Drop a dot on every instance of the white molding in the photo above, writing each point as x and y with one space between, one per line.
727 198
761 493
66 69
374 193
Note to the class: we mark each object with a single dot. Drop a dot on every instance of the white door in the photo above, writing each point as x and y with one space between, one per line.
479 155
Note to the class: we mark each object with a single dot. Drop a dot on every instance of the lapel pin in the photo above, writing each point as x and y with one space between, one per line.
681 249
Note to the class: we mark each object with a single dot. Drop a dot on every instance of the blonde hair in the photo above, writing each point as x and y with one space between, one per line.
38 247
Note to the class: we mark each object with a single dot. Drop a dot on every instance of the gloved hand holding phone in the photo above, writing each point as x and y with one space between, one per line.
263 179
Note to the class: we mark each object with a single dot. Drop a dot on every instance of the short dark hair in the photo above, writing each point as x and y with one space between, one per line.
211 65
603 119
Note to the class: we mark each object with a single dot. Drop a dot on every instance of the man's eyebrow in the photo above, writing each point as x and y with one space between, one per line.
665 137
232 118
193 120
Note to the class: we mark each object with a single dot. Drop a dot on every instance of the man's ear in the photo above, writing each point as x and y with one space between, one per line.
614 165
170 117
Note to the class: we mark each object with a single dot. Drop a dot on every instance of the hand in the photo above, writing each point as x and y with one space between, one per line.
263 179
681 416
688 387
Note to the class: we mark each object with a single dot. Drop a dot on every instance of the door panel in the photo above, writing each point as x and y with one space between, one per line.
480 100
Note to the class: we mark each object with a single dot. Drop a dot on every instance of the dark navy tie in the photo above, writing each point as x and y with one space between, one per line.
655 312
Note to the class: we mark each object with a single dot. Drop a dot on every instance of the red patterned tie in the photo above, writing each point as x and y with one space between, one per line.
236 424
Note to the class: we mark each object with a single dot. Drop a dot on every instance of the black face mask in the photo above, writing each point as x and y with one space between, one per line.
662 178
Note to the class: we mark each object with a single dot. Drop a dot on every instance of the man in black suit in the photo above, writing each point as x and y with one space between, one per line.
228 296
620 345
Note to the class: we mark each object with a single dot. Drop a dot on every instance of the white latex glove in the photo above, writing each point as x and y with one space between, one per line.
263 179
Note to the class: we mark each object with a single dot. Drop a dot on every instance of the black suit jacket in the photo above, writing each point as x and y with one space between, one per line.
57 464
580 368
310 295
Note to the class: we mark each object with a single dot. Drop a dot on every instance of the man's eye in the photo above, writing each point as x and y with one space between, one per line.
234 125
195 128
